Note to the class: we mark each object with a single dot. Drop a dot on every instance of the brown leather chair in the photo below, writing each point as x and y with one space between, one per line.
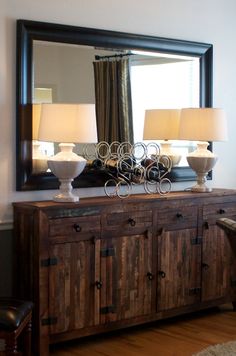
229 225
15 322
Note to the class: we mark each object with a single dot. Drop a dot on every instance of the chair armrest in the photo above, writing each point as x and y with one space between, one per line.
229 225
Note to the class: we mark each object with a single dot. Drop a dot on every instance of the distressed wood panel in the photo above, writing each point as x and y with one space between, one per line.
178 218
77 226
126 286
71 286
179 269
218 264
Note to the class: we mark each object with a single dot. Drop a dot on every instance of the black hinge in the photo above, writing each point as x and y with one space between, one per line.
108 309
49 262
49 321
194 291
106 252
196 240
233 283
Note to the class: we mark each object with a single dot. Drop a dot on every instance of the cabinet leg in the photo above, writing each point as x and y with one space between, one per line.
41 347
27 339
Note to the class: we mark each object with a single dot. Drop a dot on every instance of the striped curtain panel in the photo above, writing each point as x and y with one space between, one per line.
113 100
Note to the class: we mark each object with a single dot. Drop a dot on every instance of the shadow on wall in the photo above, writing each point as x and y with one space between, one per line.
6 262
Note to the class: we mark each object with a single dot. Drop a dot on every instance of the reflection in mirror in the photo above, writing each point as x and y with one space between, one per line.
74 58
168 81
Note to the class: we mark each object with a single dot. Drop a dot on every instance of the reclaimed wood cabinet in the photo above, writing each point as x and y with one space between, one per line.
219 254
179 257
105 263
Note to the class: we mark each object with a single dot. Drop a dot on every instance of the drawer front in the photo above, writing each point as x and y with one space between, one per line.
74 226
213 212
128 220
178 218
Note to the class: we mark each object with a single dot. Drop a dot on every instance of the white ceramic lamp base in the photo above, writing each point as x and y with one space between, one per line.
66 194
201 161
39 159
167 150
66 165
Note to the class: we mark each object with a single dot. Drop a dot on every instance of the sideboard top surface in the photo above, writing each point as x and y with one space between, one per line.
133 199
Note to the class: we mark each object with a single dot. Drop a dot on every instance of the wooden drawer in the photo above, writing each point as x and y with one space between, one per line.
181 218
213 212
74 226
128 220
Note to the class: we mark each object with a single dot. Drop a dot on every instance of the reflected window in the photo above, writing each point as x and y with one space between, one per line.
167 81
40 149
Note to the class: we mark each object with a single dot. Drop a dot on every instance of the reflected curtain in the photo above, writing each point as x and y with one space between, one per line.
113 100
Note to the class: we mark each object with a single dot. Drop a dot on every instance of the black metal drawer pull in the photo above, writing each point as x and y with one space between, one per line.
77 227
98 284
221 211
150 276
132 222
179 216
162 274
205 266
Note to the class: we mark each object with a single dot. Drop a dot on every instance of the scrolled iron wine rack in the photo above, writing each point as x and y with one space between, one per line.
129 165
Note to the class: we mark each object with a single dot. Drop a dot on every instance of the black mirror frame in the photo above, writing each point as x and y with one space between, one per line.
27 31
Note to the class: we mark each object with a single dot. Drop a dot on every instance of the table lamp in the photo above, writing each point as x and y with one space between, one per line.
67 124
202 125
163 124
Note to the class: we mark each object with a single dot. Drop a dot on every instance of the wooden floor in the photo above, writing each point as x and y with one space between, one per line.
181 336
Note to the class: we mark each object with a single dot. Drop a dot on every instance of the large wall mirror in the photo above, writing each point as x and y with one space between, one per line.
56 64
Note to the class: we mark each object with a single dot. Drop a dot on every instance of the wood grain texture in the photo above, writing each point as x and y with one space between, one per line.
218 264
71 286
179 269
180 336
105 264
126 286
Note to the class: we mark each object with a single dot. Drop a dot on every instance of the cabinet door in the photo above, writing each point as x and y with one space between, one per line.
218 254
218 265
179 269
72 295
126 266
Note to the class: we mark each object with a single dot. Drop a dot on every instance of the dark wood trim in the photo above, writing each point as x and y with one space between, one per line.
27 31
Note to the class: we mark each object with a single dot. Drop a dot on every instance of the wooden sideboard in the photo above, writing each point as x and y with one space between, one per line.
106 263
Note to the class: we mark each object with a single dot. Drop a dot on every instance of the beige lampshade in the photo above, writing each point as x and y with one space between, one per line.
161 124
203 124
68 123
36 112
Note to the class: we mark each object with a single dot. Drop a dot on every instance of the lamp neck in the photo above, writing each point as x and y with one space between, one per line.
201 150
202 145
66 147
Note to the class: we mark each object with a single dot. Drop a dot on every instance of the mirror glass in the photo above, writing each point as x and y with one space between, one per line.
55 65
63 73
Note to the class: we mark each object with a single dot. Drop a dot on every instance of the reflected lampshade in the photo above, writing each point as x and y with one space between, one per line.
36 113
163 124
